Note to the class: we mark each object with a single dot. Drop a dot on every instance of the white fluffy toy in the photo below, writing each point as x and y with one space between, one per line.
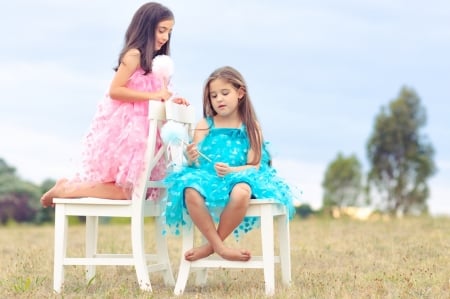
173 133
162 65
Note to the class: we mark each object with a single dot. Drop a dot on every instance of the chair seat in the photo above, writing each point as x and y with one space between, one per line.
254 209
92 206
92 201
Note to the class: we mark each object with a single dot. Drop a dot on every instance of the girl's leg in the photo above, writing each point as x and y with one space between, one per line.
235 211
232 215
199 214
63 189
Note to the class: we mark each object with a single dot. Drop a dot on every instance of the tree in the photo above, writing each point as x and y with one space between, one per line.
5 169
19 200
401 159
304 210
343 182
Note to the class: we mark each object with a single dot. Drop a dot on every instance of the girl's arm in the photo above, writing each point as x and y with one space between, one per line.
250 157
223 169
118 90
201 130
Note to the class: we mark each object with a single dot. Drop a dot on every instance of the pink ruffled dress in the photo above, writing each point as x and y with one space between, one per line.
114 148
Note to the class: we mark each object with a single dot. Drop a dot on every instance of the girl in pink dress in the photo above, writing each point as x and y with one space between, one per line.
113 150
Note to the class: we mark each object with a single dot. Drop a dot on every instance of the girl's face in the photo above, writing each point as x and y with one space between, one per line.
163 30
224 97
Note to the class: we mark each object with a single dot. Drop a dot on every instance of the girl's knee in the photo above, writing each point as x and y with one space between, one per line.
191 196
241 192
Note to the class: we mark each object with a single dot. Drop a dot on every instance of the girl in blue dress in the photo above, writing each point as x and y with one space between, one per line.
228 166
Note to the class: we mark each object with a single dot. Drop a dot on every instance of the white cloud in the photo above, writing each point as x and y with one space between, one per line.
37 156
50 97
22 73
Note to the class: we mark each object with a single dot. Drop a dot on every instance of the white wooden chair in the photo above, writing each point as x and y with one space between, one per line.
136 209
269 212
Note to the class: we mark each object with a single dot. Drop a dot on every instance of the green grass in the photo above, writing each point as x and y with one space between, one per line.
402 258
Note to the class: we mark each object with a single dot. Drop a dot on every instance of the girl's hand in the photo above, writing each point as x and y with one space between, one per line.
222 169
181 101
164 94
192 152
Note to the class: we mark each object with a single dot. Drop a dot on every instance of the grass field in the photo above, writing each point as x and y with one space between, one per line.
402 258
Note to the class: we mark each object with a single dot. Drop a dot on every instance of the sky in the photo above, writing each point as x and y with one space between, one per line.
318 73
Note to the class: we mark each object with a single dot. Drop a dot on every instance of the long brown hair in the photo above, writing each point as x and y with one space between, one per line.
141 34
245 107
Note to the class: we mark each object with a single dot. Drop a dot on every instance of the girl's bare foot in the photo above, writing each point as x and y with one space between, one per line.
233 254
198 253
55 191
227 253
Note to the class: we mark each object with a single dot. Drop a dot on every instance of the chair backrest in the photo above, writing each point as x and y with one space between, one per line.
184 115
156 116
180 113
158 113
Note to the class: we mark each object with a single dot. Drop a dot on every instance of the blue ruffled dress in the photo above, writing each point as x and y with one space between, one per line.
229 145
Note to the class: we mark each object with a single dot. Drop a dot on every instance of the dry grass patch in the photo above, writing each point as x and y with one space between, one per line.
407 258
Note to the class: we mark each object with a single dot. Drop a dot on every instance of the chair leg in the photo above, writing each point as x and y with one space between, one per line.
61 230
162 252
268 249
91 243
285 249
140 259
185 266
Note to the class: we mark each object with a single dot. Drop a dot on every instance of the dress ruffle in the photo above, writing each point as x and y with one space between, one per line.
114 147
230 146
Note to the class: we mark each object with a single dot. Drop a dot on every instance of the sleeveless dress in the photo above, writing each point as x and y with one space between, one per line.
229 145
113 149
